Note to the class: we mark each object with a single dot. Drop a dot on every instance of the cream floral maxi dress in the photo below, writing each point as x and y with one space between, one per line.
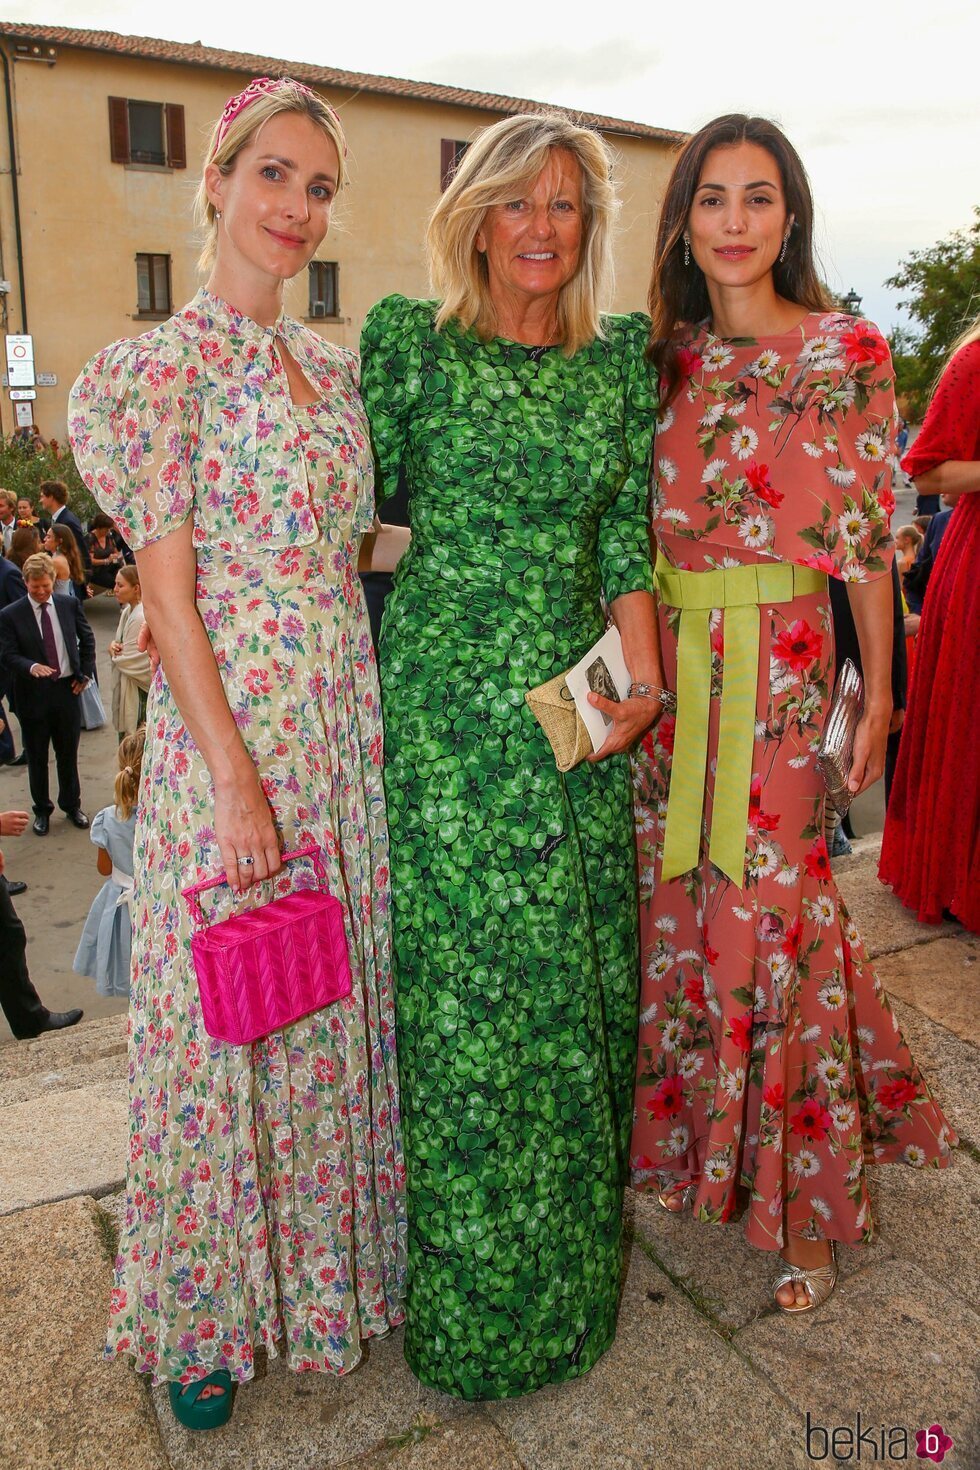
264 1189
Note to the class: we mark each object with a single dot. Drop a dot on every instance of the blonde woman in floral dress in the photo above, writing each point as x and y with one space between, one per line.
770 1068
264 1195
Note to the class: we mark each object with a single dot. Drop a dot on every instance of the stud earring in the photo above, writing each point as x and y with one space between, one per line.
687 250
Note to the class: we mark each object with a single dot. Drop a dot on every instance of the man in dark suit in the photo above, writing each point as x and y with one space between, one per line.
12 587
47 652
21 1004
54 499
8 519
11 590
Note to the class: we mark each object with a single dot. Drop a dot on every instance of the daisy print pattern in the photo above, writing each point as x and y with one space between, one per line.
770 1038
830 397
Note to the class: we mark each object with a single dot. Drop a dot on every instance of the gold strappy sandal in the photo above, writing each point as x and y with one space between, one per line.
817 1281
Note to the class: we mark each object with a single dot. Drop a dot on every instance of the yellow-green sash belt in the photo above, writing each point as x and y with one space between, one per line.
740 592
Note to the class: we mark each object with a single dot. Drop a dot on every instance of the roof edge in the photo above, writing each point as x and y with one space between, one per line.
182 53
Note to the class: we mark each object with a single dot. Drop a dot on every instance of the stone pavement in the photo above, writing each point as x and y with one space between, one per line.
704 1371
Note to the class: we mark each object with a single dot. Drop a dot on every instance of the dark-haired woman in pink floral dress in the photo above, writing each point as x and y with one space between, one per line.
771 1069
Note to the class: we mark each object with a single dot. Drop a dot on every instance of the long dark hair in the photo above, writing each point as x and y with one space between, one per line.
68 548
679 292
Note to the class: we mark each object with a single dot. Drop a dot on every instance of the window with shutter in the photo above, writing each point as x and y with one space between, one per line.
146 140
153 285
450 153
176 146
118 130
324 288
147 133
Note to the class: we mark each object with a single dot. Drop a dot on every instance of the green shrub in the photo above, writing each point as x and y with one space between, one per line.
23 471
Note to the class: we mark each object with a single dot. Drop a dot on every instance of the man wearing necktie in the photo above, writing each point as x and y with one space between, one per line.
47 652
8 519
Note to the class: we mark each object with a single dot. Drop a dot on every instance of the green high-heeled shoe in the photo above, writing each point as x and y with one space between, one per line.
194 1412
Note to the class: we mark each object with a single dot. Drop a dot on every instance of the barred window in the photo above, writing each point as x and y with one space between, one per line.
153 285
324 288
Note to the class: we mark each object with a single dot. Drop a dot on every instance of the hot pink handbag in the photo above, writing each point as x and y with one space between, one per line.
263 969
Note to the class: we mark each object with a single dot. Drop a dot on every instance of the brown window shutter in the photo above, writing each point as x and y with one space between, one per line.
447 161
118 130
176 146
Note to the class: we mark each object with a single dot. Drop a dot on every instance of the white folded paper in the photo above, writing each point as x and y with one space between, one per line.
584 678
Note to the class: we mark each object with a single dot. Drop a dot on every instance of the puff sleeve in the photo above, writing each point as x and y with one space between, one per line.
97 832
951 428
390 381
853 423
133 427
625 562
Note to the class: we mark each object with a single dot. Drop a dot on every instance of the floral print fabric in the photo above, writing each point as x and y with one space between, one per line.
514 888
770 1067
264 1188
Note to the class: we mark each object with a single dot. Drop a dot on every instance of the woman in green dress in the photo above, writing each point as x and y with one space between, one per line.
522 421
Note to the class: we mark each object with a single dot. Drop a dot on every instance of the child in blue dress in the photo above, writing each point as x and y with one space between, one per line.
105 946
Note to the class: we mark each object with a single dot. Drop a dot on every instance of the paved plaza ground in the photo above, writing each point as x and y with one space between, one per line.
704 1372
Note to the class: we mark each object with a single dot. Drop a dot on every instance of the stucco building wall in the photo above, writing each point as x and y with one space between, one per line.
84 218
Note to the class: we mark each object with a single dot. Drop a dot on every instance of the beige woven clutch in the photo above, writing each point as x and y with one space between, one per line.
554 709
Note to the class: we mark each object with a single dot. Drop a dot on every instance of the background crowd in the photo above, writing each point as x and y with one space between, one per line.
51 567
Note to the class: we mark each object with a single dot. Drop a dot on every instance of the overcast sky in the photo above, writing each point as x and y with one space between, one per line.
880 99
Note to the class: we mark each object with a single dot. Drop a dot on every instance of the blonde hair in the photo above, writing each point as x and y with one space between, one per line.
500 165
223 148
38 565
127 790
970 334
912 533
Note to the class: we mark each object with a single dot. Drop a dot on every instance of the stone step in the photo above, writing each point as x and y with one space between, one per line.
64 1102
57 1055
886 926
63 1407
62 1143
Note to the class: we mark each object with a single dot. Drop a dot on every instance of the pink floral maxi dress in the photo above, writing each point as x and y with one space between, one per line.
770 1065
265 1183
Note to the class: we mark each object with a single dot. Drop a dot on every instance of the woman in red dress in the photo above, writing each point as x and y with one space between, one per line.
930 854
771 1069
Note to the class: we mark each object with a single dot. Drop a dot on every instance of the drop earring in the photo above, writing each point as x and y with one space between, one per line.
687 250
217 214
782 253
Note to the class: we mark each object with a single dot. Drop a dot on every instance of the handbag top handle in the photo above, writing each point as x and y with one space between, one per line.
192 894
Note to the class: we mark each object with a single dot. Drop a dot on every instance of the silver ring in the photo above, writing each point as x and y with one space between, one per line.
246 862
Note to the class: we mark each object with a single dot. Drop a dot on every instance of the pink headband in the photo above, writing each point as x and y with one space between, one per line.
263 87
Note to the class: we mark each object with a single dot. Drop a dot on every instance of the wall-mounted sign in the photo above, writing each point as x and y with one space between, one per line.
22 395
25 415
47 380
20 361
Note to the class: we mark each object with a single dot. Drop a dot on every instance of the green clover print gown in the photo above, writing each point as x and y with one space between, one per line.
515 905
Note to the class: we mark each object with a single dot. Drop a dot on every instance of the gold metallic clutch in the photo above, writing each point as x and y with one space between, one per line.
836 752
554 709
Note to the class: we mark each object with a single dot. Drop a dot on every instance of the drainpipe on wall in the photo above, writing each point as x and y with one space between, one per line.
15 189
